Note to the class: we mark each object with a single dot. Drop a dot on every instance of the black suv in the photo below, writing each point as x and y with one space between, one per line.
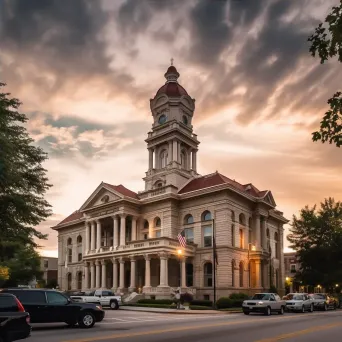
50 306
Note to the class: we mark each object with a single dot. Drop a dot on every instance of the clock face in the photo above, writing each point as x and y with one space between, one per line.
162 119
185 120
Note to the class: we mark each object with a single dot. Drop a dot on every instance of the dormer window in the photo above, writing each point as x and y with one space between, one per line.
185 120
162 119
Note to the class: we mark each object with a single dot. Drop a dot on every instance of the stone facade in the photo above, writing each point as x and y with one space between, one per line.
128 241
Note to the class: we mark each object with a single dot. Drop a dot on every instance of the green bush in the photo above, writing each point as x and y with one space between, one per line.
186 298
155 301
159 306
199 307
224 303
202 303
237 303
242 296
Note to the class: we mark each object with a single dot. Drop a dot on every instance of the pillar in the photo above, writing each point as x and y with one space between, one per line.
258 274
263 234
115 274
150 158
163 269
183 267
98 278
169 159
115 231
86 276
194 161
92 247
122 273
257 231
134 228
87 237
92 275
174 151
103 274
147 271
133 272
123 231
98 234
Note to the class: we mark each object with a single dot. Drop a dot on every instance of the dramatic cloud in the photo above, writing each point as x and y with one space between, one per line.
85 71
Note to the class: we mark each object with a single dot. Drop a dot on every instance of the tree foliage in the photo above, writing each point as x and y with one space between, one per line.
326 42
316 236
23 184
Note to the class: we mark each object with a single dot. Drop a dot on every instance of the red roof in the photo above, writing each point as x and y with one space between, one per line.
122 190
218 179
172 89
76 215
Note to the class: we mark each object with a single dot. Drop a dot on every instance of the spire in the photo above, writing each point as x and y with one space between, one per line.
171 74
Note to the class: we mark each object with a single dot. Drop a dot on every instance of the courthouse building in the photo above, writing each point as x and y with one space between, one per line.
127 240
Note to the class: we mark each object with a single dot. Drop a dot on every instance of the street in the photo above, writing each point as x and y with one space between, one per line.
148 327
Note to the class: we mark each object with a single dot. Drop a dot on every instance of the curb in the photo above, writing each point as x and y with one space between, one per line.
182 312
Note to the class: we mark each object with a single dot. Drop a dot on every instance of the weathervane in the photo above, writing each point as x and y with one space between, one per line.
171 61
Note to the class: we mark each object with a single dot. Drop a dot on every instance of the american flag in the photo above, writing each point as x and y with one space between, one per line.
181 238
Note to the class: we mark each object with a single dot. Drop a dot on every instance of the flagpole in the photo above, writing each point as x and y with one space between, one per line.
214 264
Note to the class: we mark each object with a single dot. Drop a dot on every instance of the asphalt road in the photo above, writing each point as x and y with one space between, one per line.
149 327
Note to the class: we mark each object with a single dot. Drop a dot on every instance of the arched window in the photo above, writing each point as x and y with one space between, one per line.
188 219
79 239
157 222
277 279
233 216
79 280
233 234
268 233
146 225
79 248
242 219
69 281
69 255
233 273
163 159
159 185
185 120
69 242
250 222
162 119
241 238
208 274
241 271
183 159
276 245
206 216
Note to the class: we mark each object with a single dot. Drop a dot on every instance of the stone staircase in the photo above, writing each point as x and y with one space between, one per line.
132 298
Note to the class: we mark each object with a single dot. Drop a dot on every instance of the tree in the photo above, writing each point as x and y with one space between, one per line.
327 43
23 184
316 236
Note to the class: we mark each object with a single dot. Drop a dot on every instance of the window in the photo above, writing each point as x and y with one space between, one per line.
185 120
79 257
69 255
188 219
207 236
69 281
8 304
241 273
56 298
189 271
69 242
233 235
233 273
293 268
250 222
206 297
146 225
79 280
163 159
189 235
241 238
46 263
162 119
242 219
183 159
206 216
233 216
79 239
159 185
30 296
268 233
158 233
208 274
276 245
145 236
157 222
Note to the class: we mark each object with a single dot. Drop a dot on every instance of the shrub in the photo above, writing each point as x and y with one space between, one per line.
155 301
186 298
202 303
224 303
199 307
237 303
240 295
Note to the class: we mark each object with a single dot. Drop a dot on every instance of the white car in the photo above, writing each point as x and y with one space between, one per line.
265 303
299 302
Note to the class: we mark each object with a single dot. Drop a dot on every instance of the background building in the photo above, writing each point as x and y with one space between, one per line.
128 241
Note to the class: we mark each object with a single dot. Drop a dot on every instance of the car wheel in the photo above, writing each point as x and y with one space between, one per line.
114 305
325 307
281 311
335 307
303 309
311 308
86 320
268 311
246 312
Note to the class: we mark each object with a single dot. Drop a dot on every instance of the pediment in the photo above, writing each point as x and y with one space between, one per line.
100 196
269 199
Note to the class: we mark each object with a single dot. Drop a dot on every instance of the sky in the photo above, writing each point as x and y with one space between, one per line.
86 70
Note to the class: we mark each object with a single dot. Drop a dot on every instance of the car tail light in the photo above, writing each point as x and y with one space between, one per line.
20 306
28 319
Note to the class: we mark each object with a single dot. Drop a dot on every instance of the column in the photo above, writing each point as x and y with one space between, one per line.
174 151
123 231
263 233
194 161
147 271
183 277
169 159
98 278
134 228
163 267
133 272
103 274
92 275
122 273
179 151
115 231
98 234
258 274
87 237
115 274
92 247
257 231
150 158
166 271
86 276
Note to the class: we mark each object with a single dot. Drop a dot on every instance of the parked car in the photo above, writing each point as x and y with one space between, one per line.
322 301
105 297
299 302
14 320
51 306
265 303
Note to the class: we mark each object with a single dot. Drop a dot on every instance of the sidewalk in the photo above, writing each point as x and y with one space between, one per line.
175 311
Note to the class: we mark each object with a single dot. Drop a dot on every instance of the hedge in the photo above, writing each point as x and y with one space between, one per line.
224 303
159 306
202 303
155 301
239 295
199 307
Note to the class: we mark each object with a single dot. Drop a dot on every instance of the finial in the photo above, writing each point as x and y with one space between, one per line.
171 61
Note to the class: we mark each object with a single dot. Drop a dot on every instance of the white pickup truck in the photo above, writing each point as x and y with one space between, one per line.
105 298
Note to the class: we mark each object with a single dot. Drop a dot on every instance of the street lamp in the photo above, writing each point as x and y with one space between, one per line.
180 252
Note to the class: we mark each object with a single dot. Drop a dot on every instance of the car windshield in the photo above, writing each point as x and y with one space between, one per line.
319 296
292 296
261 296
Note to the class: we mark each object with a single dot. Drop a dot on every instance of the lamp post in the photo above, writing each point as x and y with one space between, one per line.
180 252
